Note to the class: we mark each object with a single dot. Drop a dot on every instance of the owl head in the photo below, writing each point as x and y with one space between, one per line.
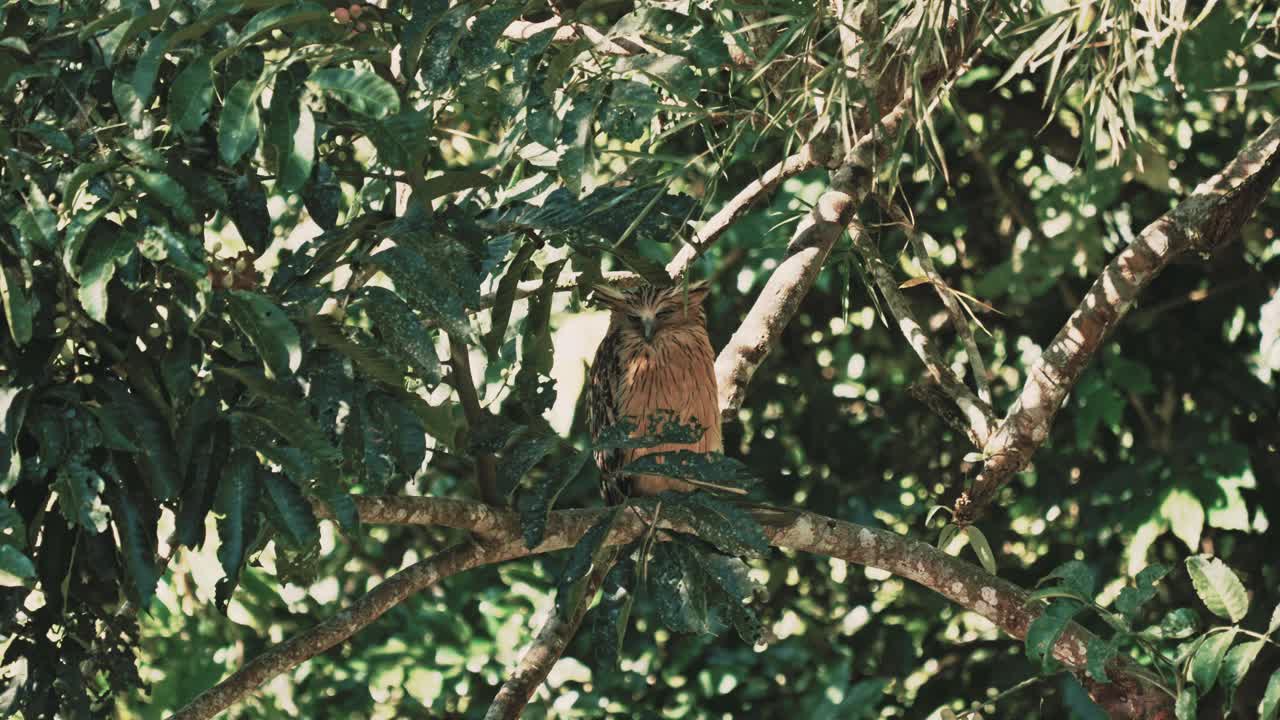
648 312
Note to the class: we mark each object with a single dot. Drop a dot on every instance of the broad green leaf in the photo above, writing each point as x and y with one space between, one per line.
235 504
1044 631
710 471
1236 665
104 253
518 459
1100 652
239 123
191 96
1274 625
981 548
15 568
451 182
948 535
1218 587
1185 515
1185 708
1076 576
730 528
1203 669
300 157
613 614
426 287
1131 599
13 531
161 244
361 90
542 498
18 308
144 73
323 197
504 298
681 599
1269 707
402 331
248 210
138 547
401 141
295 512
583 557
1178 624
270 331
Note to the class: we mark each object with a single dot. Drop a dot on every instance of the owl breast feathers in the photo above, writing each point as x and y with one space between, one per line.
655 358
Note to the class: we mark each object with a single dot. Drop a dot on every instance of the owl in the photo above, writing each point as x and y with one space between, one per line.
655 358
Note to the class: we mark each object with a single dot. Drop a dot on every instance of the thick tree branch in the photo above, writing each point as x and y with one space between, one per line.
536 663
464 384
1209 217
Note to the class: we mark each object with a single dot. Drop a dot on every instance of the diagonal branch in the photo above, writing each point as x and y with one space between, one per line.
1209 218
537 661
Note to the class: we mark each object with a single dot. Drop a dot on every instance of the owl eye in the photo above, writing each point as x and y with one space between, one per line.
664 314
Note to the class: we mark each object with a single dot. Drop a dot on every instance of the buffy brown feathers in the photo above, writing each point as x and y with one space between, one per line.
656 357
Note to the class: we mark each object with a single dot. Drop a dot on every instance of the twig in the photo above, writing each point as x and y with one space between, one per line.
542 655
958 319
464 384
1210 217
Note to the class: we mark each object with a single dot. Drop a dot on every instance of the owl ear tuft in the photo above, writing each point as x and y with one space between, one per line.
606 296
697 291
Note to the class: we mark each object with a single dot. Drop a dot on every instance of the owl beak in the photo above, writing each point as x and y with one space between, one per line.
649 324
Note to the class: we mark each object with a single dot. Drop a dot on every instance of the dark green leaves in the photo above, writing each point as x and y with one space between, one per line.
15 568
710 471
298 520
248 210
403 332
1131 599
719 522
361 90
1203 670
613 614
104 253
538 503
1045 630
138 546
426 286
583 558
17 307
236 506
270 331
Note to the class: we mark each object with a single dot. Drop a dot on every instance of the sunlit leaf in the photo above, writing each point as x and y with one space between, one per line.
1218 587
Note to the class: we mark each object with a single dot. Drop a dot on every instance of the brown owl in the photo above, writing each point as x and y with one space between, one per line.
655 357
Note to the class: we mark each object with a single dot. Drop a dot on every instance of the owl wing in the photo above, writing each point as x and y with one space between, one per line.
602 412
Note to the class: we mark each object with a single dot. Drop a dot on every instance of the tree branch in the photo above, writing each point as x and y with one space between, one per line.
537 661
464 384
1209 217
338 628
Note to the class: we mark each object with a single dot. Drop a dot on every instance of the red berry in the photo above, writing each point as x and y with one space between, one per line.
342 15
356 9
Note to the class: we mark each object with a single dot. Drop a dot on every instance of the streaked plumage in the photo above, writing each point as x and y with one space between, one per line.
655 356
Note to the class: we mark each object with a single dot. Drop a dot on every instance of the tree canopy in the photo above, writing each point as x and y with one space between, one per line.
298 299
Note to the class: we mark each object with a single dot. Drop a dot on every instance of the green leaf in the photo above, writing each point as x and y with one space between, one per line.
17 308
1236 665
138 547
1269 707
360 90
1185 708
1185 515
401 330
166 190
1218 587
1076 576
1274 625
584 556
1044 631
1100 652
681 599
148 66
401 141
270 331
299 158
160 244
237 496
450 182
712 471
947 535
239 123
295 512
981 548
727 526
191 96
539 502
518 459
1131 599
105 252
15 568
426 287
323 197
1179 623
249 212
613 614
1203 669
504 298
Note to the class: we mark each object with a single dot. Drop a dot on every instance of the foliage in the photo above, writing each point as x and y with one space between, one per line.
238 241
